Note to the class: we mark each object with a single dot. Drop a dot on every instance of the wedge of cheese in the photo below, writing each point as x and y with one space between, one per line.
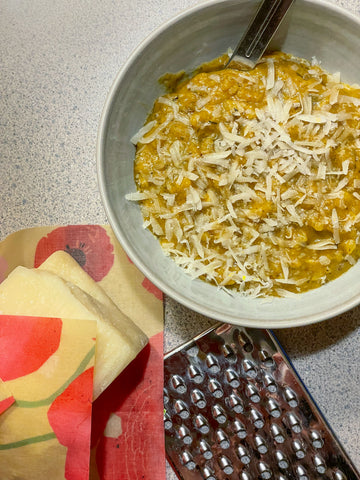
63 265
41 293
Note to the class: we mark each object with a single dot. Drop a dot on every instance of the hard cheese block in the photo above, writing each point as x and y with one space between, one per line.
42 293
64 265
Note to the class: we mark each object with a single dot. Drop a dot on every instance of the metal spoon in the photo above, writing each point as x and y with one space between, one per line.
259 34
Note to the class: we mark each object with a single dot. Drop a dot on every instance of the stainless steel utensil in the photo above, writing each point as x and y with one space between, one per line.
259 34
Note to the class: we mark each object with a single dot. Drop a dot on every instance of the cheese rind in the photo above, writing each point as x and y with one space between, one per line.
42 293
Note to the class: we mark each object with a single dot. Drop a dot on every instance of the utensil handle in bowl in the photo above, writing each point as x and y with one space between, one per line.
259 33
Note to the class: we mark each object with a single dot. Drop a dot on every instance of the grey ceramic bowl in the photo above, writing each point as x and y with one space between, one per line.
312 28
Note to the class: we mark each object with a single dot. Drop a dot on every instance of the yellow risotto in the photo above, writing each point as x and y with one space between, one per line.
251 180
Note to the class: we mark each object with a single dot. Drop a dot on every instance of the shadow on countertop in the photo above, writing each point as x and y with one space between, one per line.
182 324
301 341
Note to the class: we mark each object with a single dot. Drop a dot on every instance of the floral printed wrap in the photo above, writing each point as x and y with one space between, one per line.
46 372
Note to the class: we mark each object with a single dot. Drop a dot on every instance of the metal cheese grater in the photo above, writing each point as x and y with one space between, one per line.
234 408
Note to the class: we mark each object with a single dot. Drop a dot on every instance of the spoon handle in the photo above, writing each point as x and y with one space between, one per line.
259 33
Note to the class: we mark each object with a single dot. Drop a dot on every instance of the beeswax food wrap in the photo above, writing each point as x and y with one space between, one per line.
127 419
47 364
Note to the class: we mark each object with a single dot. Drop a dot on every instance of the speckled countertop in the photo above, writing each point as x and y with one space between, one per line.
57 61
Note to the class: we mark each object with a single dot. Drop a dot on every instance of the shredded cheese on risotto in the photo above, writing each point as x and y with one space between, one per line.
251 180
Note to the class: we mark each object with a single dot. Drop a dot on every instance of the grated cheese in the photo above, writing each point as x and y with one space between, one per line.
142 132
244 177
335 223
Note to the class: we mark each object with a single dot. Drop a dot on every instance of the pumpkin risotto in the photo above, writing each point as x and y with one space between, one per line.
251 180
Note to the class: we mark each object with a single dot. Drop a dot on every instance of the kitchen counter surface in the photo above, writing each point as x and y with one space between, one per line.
58 60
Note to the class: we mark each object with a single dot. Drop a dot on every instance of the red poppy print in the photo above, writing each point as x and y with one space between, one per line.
6 403
149 286
89 245
26 343
70 418
135 402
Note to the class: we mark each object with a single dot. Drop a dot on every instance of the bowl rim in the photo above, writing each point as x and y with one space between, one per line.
299 321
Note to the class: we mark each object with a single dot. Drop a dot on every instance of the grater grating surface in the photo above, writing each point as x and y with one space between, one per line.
234 408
